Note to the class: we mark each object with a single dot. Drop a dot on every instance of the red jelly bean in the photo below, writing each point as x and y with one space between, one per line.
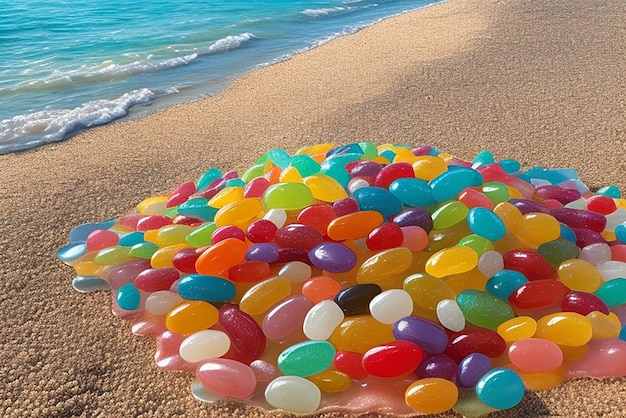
385 236
256 187
393 359
181 194
351 363
392 172
317 216
472 198
601 204
583 303
187 220
320 288
558 193
153 222
475 340
286 255
249 271
185 260
101 238
538 294
298 236
228 231
530 263
586 237
578 218
345 206
153 280
246 336
261 230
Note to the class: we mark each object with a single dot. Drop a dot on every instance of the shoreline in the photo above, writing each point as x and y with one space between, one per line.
541 82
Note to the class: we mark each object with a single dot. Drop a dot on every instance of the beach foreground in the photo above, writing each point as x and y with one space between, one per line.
543 82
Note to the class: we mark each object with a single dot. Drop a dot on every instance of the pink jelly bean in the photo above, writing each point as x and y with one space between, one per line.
472 198
167 355
286 318
414 238
264 371
101 238
345 206
227 377
181 194
606 357
261 230
227 231
187 220
535 355
119 275
558 193
130 221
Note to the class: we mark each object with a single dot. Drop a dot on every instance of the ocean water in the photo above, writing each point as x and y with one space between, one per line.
68 65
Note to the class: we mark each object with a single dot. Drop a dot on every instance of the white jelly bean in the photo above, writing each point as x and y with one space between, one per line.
161 302
293 394
277 216
204 345
322 319
295 271
577 204
612 270
391 305
615 218
490 263
450 315
203 394
596 254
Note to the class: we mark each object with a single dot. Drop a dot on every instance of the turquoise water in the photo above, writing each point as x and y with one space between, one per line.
68 65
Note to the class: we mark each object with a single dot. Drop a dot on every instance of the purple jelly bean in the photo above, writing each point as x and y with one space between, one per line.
427 334
472 368
333 257
561 194
414 217
437 365
345 206
262 252
579 218
365 169
527 206
586 237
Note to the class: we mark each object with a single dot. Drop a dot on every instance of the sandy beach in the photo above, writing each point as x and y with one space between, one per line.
540 81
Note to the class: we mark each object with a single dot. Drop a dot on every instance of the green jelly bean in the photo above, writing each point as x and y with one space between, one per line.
613 292
370 151
143 250
479 244
558 251
201 236
113 255
257 170
496 192
484 309
287 196
449 214
305 165
306 358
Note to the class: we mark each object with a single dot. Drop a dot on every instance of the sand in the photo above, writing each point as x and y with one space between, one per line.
541 81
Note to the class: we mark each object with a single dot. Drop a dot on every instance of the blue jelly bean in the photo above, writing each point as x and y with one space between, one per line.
208 177
483 158
206 288
198 207
610 191
505 282
346 149
378 199
388 154
335 167
472 368
81 232
412 192
131 239
620 233
279 157
500 388
510 166
567 233
448 185
427 334
622 333
89 283
305 165
128 297
485 223
72 251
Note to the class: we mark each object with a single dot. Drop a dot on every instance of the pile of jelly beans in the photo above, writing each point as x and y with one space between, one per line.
372 278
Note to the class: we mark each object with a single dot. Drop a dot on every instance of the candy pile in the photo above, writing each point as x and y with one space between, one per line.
379 279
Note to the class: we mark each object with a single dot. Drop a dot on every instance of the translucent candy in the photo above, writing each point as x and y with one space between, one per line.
431 395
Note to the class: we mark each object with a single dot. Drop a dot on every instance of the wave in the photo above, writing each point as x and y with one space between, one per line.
326 11
34 129
109 70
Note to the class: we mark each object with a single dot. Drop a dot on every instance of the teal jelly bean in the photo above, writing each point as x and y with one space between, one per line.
484 309
483 158
208 177
479 244
206 288
235 183
131 239
449 214
448 185
611 191
496 192
279 157
128 297
500 388
620 233
485 223
613 292
510 166
72 251
335 167
306 358
567 233
378 199
201 236
413 192
143 250
505 282
622 333
346 149
558 251
198 207
305 165
389 155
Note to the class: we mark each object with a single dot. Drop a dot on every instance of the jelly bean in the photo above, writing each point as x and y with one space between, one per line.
185 260
294 394
431 395
604 325
579 275
452 260
287 196
379 200
384 265
204 345
128 297
113 255
486 224
538 228
610 270
101 238
331 381
360 333
450 315
345 206
527 205
585 237
500 388
206 288
495 191
350 363
121 274
565 328
600 204
164 257
198 207
412 191
427 334
355 300
504 282
427 291
299 236
191 316
333 257
262 296
201 236
393 172
322 319
475 340
428 167
517 328
181 194
576 218
365 169
437 365
325 188
558 193
538 294
276 216
266 252
449 214
613 292
264 371
249 271
229 231
472 198
530 263
535 355
583 303
221 256
306 358
320 288
441 239
295 271
484 309
354 225
414 217
286 318
385 236
161 302
317 216
152 280
287 255
449 184
391 305
393 359
558 251
227 377
472 368
414 238
607 358
89 283
490 262
246 336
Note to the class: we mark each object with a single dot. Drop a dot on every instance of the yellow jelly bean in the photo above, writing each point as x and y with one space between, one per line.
262 296
514 193
360 333
162 257
239 213
156 205
404 155
191 316
432 395
473 279
427 291
580 275
88 268
290 175
325 188
354 225
604 326
226 196
331 381
574 353
510 215
608 235
316 149
427 167
565 328
517 328
538 228
384 265
438 239
540 381
168 235
452 260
